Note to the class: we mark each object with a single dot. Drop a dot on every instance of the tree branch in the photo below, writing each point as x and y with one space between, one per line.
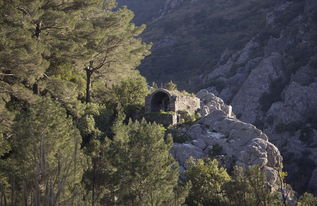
2 74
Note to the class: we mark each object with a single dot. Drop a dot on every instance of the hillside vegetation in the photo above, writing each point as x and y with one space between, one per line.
258 56
72 131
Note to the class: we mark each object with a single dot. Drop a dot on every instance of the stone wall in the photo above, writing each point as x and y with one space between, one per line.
162 118
187 103
176 102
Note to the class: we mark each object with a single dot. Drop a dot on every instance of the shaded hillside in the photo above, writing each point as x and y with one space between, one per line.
152 11
189 38
259 56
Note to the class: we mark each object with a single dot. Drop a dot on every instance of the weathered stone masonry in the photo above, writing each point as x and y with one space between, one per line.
169 102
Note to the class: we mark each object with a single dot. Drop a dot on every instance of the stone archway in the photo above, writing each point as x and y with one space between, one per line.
160 101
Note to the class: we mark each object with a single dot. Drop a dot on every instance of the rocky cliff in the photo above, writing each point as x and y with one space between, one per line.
233 142
258 56
276 89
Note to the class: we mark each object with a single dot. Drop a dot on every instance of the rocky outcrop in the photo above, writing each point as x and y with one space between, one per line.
272 83
210 102
232 141
266 68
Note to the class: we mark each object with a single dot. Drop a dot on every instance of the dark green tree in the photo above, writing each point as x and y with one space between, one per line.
249 187
47 164
35 34
128 92
307 199
136 168
207 180
112 44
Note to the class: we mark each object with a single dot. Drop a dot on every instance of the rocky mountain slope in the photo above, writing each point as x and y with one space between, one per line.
189 36
220 135
276 90
258 56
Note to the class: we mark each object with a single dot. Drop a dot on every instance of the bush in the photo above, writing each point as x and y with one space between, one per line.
249 187
170 86
307 199
185 117
128 92
207 180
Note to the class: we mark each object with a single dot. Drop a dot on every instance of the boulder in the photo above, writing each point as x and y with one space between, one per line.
221 135
182 152
210 103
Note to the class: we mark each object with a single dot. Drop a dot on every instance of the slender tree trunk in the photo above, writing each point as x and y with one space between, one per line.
88 84
93 183
5 199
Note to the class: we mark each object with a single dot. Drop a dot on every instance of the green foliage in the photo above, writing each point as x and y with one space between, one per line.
163 118
128 92
170 86
47 163
113 49
35 33
139 170
307 199
185 117
249 187
65 49
211 185
6 120
207 180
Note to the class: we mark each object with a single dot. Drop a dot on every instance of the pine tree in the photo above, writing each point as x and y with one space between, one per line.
249 187
36 37
207 180
47 163
36 33
138 168
127 93
113 44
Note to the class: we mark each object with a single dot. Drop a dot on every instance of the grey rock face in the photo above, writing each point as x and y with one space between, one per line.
235 141
298 101
182 152
247 100
209 103
275 92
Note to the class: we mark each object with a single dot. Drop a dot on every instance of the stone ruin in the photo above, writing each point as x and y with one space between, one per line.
162 105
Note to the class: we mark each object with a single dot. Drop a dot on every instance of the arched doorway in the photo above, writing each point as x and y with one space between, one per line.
160 102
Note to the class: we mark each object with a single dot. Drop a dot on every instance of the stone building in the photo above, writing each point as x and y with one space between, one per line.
164 105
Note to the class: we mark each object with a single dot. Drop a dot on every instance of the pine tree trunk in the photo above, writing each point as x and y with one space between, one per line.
88 84
93 183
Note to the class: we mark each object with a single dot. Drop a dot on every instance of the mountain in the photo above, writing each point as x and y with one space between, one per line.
258 56
189 36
